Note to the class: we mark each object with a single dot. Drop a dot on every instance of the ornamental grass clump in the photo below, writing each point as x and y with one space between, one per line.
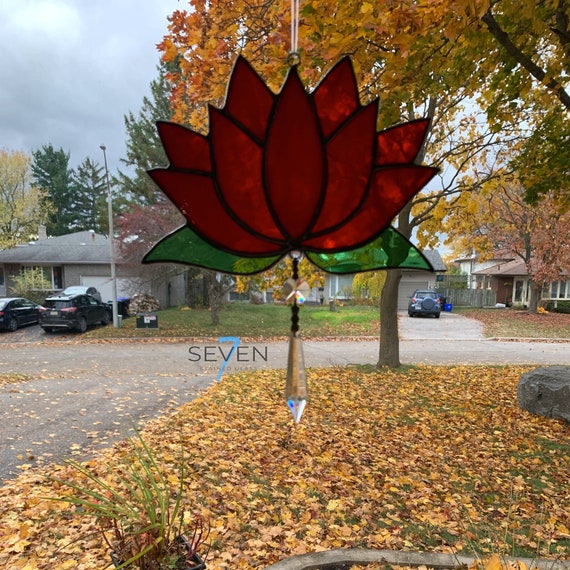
144 522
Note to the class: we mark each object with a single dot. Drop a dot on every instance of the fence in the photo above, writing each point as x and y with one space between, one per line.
477 298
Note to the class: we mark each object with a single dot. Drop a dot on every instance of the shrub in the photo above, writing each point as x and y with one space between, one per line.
31 284
558 307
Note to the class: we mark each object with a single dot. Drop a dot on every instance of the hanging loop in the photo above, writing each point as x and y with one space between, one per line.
294 58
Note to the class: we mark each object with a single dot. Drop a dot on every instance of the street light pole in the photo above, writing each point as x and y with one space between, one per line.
111 242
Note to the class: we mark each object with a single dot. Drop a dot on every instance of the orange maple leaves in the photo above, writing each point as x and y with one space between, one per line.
425 459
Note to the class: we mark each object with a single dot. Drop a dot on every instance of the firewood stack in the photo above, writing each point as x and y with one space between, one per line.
143 303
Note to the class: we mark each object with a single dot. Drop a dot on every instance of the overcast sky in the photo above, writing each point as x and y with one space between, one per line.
70 70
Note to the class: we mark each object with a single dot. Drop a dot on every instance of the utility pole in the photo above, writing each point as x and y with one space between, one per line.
111 242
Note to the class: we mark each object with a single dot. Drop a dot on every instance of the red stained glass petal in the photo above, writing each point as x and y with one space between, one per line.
391 189
248 99
184 148
350 155
294 162
196 198
336 97
401 144
238 162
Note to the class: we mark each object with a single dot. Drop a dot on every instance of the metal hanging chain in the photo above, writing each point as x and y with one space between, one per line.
293 57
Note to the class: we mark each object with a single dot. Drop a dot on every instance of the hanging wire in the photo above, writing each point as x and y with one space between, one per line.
293 57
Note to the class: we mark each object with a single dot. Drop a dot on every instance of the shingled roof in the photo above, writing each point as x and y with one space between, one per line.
76 248
434 258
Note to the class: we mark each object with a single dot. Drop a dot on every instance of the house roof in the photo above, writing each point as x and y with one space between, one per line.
515 267
89 247
76 248
507 268
434 258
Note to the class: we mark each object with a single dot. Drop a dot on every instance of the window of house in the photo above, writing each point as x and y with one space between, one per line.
559 290
51 275
518 290
57 280
2 282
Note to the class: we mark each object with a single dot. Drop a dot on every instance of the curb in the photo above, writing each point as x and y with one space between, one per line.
347 557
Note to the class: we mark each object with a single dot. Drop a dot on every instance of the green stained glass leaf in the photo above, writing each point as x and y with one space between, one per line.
388 251
184 246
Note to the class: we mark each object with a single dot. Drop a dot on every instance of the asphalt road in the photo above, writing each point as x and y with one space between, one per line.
84 395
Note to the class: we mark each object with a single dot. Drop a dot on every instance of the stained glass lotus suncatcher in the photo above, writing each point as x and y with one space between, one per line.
291 172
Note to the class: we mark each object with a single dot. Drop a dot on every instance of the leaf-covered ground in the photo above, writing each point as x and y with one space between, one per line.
430 458
512 323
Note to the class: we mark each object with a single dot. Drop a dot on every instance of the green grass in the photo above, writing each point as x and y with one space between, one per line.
273 321
252 321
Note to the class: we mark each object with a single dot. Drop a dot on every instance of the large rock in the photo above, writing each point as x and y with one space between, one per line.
546 392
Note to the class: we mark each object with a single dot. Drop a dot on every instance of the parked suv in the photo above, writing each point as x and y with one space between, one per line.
72 312
79 289
424 303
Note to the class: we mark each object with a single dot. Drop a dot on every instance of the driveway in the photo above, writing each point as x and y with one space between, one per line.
84 395
449 326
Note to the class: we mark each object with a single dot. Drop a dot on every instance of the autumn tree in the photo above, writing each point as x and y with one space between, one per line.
497 219
274 278
138 230
23 207
396 56
525 63
89 198
52 174
368 286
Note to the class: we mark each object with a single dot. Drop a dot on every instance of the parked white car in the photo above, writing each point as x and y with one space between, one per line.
83 290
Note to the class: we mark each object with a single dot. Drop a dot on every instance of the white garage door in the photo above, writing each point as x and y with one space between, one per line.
406 290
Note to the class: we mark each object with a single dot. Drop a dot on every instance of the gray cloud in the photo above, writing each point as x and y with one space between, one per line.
71 69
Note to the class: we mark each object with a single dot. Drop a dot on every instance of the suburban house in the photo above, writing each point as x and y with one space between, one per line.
512 284
81 258
508 280
340 286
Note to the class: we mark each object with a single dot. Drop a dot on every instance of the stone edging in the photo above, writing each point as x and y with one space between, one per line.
346 557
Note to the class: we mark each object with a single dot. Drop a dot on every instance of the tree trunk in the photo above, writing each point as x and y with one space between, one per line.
213 296
218 286
389 354
215 311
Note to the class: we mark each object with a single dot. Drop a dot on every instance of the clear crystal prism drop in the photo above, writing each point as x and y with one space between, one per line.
296 387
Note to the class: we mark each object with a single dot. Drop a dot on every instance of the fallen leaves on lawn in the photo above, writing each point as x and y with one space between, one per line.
430 458
514 323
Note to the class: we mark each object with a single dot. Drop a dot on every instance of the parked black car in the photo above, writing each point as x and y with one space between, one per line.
72 312
424 303
17 311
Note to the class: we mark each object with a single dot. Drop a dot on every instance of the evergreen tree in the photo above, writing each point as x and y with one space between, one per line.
144 149
51 172
89 198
